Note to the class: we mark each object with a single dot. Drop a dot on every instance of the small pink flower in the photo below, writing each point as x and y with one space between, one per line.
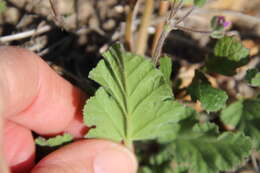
222 21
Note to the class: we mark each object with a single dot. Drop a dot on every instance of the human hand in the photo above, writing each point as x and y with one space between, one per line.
33 97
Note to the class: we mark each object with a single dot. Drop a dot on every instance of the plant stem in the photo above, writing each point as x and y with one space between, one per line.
158 50
129 144
143 34
129 25
164 5
169 25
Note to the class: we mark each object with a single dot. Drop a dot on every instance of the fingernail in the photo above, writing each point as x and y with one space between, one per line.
114 160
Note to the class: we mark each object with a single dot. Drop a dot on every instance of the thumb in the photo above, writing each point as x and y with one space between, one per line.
90 156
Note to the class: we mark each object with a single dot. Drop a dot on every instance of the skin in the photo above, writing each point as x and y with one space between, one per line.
34 98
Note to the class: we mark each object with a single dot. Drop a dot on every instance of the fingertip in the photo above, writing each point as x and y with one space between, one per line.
93 156
35 96
114 160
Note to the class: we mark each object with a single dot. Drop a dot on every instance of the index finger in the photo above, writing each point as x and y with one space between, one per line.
34 96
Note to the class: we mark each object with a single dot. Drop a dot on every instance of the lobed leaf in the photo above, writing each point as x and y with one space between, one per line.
244 115
134 102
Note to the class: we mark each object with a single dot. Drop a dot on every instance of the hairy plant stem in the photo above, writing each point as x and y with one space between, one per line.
142 37
172 24
158 50
169 25
164 5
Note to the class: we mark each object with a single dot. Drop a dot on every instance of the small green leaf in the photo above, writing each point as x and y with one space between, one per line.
212 99
230 48
253 77
200 3
204 150
244 115
224 66
55 141
166 69
229 54
134 102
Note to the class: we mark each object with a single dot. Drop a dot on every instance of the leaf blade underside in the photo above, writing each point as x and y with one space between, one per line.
134 101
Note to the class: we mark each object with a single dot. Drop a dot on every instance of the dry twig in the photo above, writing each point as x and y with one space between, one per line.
25 34
129 24
142 37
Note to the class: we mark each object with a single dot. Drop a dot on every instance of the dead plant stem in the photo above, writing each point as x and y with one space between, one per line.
129 25
25 34
142 37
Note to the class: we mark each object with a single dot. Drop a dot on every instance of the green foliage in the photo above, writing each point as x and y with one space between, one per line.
134 99
253 77
244 115
55 141
229 54
212 99
2 6
135 102
203 149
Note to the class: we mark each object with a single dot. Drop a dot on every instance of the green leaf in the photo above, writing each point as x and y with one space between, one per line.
134 102
229 54
244 115
253 77
203 150
166 69
200 3
212 99
230 48
55 141
223 65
